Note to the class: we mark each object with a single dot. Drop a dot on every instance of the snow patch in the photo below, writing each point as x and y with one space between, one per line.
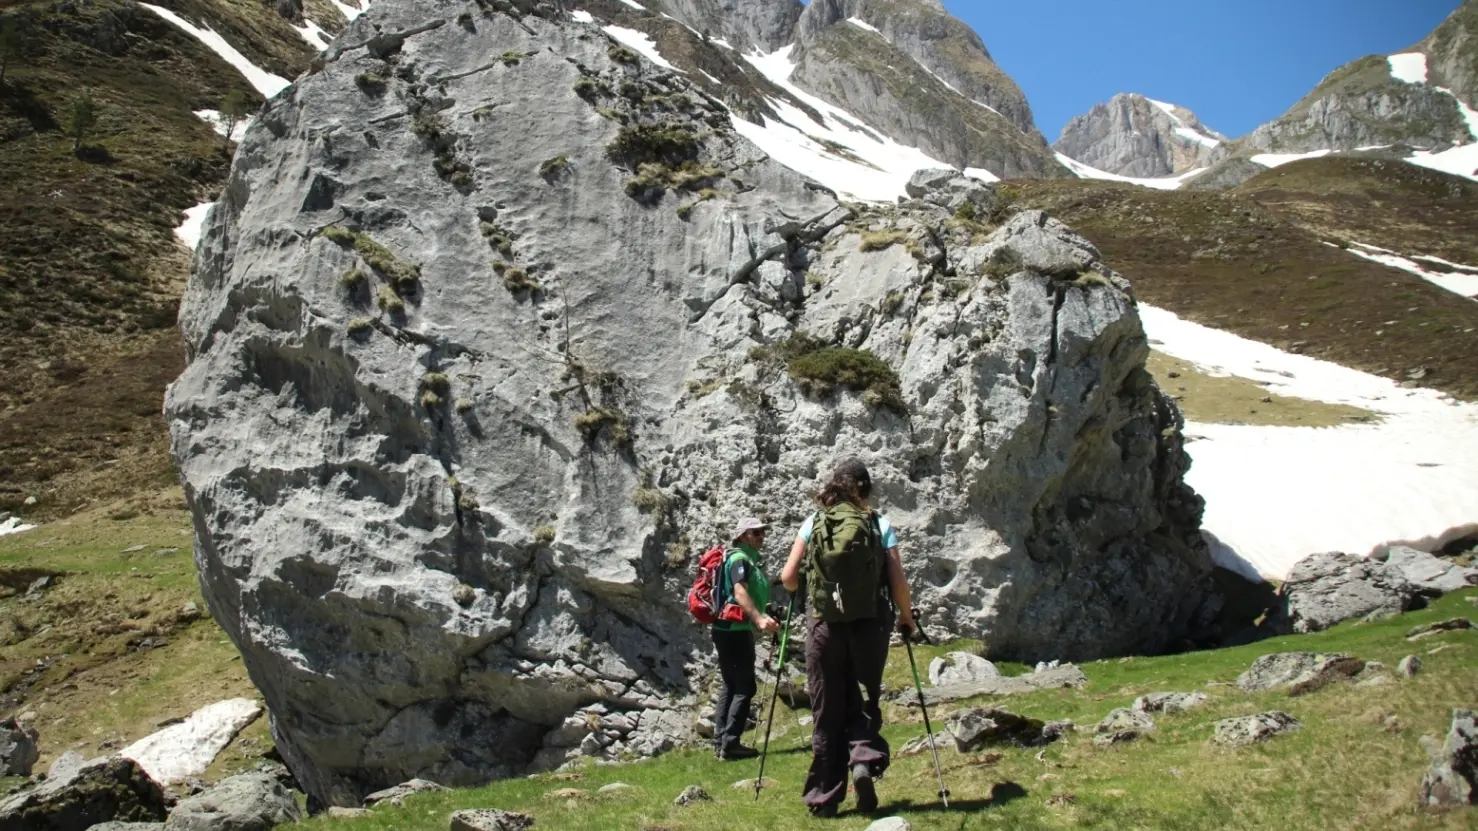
1465 285
190 230
186 749
839 151
265 82
1182 129
217 122
582 17
1409 67
1280 159
641 42
1275 495
314 34
721 42
349 12
635 5
863 24
13 526
1083 171
982 174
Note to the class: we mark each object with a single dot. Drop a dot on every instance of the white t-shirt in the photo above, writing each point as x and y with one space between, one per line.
890 536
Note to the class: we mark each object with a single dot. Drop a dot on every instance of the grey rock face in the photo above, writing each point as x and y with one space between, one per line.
77 797
951 190
766 25
563 438
1450 50
1453 777
961 667
18 750
1430 574
1122 725
1246 730
1361 105
490 820
249 802
982 726
1169 702
1052 679
1131 136
1324 589
1298 671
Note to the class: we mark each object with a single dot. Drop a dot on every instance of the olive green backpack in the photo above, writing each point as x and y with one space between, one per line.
846 564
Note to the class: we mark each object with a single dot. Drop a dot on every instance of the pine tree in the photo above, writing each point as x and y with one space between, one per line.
234 110
84 116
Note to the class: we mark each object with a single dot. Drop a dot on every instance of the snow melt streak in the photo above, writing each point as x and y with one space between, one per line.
1275 495
265 82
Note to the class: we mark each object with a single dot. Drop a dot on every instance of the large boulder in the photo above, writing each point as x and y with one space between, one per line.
961 668
75 797
1245 730
1298 672
978 727
1430 574
249 802
467 390
18 748
1453 777
1325 589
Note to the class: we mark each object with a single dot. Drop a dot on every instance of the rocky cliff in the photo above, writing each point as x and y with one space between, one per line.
1452 53
747 25
1135 136
497 323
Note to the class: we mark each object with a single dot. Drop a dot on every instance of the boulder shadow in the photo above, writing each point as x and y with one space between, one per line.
1001 793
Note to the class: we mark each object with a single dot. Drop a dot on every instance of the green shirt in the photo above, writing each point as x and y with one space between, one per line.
744 562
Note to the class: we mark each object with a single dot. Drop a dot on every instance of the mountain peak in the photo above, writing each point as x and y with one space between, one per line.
1132 135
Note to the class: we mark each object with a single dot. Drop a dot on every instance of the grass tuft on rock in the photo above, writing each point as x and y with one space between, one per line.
820 368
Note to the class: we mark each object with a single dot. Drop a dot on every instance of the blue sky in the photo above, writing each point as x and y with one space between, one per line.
1235 63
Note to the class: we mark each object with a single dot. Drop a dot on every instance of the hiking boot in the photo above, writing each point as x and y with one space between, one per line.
822 811
736 751
867 795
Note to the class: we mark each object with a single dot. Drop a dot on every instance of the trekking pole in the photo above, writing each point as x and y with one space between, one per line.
919 688
759 782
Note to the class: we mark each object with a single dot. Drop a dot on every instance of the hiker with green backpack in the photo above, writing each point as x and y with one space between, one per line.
848 556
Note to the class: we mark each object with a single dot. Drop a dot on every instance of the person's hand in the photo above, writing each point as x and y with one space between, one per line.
906 625
767 624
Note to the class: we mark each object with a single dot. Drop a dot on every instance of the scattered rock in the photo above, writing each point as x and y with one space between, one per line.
1122 725
464 595
704 727
18 748
1300 672
614 787
1453 777
1429 629
1245 730
490 820
1374 681
188 613
30 502
186 749
336 812
1433 575
1043 666
1054 730
690 795
249 802
806 721
1409 666
961 668
128 826
133 549
40 585
566 793
748 784
401 791
1066 675
891 824
920 744
1324 589
1061 800
980 726
80 795
1169 702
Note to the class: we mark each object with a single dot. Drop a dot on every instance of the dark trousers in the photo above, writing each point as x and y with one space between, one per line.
844 675
736 667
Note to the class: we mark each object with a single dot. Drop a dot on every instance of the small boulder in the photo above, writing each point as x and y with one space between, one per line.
1453 777
1245 730
401 791
614 787
1324 589
920 744
690 795
961 667
18 748
1433 575
1054 730
1409 666
891 824
336 812
748 784
490 820
980 726
79 796
1122 725
1300 672
1169 702
1429 629
249 802
127 826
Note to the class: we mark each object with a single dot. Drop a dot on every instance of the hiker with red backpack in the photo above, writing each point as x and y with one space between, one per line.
740 596
848 555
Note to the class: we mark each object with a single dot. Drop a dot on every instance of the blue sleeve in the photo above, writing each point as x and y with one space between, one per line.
804 535
890 536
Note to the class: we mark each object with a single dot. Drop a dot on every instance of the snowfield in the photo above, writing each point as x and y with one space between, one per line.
263 81
1463 281
1275 495
641 42
190 230
1182 129
13 526
1409 68
1083 171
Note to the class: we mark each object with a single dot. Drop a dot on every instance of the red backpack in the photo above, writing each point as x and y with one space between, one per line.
704 601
